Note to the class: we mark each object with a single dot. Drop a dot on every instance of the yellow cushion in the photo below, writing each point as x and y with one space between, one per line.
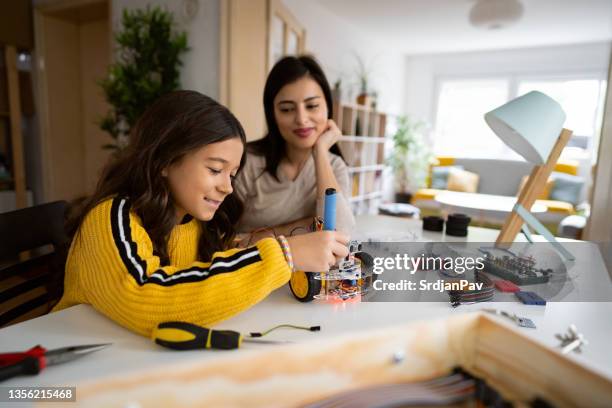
462 180
439 161
568 167
544 194
558 206
426 194
445 161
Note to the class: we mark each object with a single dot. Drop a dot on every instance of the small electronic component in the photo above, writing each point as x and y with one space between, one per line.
520 321
572 340
433 223
466 297
506 286
457 225
520 270
530 298
349 279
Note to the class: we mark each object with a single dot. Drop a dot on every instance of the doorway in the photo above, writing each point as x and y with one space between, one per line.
73 47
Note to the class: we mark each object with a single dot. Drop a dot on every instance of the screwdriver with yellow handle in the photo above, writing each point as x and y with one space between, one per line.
189 336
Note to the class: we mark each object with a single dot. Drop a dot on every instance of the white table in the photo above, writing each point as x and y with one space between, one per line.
130 352
481 206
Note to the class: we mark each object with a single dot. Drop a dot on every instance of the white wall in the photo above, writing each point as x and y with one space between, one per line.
200 64
422 71
334 42
600 222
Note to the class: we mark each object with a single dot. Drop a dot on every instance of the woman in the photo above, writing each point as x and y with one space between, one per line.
153 243
288 171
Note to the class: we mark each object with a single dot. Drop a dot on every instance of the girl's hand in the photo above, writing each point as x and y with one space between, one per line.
329 137
317 251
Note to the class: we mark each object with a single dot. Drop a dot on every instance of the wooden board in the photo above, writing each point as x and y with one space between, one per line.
294 375
533 187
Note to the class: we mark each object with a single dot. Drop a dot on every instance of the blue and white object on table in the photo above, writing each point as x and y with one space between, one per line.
329 214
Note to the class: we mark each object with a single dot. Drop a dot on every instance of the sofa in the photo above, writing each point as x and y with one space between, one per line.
502 177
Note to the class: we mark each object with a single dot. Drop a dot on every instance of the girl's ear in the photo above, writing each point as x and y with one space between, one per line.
165 172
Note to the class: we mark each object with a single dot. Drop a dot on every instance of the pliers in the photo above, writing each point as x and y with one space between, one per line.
34 360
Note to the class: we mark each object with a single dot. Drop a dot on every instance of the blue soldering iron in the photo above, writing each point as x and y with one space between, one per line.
329 214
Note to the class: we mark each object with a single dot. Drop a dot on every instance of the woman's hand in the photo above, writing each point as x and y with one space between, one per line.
317 251
329 137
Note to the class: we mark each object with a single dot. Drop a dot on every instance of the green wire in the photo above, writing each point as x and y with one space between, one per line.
288 326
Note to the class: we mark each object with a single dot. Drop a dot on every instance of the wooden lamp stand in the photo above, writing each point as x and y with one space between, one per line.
528 195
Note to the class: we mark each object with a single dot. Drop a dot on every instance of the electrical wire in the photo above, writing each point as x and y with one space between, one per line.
287 326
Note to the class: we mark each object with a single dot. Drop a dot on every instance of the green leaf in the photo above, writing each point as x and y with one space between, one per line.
411 155
149 56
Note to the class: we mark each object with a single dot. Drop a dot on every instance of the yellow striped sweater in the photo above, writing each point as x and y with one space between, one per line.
111 266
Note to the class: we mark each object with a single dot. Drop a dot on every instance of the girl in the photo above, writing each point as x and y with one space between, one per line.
288 171
151 244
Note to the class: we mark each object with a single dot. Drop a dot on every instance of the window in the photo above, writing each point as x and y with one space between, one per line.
286 35
460 129
582 101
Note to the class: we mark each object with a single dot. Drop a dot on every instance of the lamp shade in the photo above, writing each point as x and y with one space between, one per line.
529 124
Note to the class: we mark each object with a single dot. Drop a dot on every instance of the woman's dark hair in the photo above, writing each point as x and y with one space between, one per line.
286 71
176 124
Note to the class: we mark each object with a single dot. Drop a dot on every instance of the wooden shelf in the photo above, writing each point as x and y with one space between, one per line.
361 108
374 167
363 139
369 196
363 148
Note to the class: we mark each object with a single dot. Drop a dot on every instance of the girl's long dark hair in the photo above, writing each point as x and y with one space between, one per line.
287 70
177 123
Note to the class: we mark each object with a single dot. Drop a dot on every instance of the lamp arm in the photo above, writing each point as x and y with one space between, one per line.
541 229
532 188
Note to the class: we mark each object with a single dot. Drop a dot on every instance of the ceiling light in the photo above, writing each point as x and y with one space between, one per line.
495 14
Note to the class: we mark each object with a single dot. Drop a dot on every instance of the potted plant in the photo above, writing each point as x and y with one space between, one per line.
409 159
363 73
337 91
147 66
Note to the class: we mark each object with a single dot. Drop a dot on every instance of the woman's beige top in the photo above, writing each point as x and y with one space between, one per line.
268 202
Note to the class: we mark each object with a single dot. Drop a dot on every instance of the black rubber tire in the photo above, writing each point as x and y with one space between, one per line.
314 287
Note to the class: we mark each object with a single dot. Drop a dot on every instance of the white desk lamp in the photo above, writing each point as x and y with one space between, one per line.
532 125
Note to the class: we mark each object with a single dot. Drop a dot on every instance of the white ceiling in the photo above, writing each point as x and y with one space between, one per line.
439 26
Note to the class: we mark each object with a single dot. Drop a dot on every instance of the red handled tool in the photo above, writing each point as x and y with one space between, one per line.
34 360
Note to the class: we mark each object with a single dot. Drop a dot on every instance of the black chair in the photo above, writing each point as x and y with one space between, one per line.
28 280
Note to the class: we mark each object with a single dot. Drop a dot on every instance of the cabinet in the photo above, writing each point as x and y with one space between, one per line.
363 148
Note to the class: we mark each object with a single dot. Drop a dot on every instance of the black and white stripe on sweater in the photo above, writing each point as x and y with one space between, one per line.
136 266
